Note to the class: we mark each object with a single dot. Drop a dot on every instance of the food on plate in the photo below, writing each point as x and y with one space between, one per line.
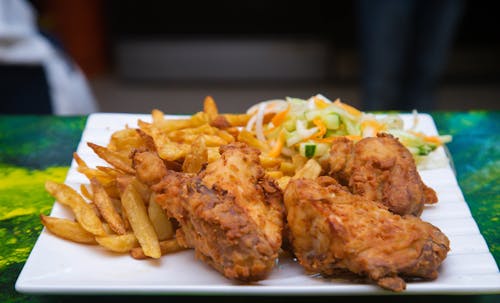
67 229
83 212
230 213
380 169
333 231
308 127
214 182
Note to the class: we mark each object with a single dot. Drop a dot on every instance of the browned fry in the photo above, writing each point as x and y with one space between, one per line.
237 119
160 221
168 150
210 108
311 170
83 212
197 158
250 139
90 172
113 158
125 140
169 125
274 174
85 192
125 180
270 162
166 247
67 229
139 221
118 243
147 140
110 171
107 208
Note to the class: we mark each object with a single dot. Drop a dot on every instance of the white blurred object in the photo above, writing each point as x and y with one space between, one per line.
21 43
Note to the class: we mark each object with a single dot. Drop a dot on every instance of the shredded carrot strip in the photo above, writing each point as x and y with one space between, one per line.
320 103
430 139
321 128
276 150
279 118
320 133
351 110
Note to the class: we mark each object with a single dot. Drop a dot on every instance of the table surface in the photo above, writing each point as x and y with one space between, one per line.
36 148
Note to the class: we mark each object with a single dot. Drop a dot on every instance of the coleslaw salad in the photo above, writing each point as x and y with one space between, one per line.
308 127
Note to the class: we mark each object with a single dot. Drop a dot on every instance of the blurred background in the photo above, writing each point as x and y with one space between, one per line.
139 55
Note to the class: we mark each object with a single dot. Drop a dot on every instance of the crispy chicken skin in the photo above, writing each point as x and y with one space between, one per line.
383 170
230 213
333 230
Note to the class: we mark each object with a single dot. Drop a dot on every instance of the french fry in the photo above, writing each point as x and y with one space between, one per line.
166 247
107 208
86 193
123 141
142 189
67 229
140 222
274 174
163 226
197 157
83 212
237 119
116 159
311 170
250 139
210 108
270 162
283 182
118 243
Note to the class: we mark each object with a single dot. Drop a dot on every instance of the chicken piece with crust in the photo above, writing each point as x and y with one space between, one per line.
383 170
333 231
230 213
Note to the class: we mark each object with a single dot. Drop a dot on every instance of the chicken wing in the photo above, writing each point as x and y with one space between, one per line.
230 213
383 170
333 231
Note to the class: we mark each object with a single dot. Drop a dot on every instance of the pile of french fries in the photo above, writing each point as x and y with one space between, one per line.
118 212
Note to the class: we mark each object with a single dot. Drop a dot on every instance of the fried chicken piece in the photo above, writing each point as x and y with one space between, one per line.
333 230
383 170
230 213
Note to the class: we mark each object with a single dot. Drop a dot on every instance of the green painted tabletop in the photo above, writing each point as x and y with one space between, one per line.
36 148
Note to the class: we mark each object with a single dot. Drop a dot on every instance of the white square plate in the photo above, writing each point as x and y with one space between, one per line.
56 266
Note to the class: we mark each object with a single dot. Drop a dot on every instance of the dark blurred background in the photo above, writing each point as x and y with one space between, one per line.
140 55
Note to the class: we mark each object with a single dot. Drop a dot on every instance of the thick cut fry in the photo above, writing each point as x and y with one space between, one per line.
311 170
86 193
161 223
237 119
167 247
67 229
210 108
123 181
250 139
274 174
125 140
107 208
197 158
114 158
140 223
118 243
83 212
283 182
